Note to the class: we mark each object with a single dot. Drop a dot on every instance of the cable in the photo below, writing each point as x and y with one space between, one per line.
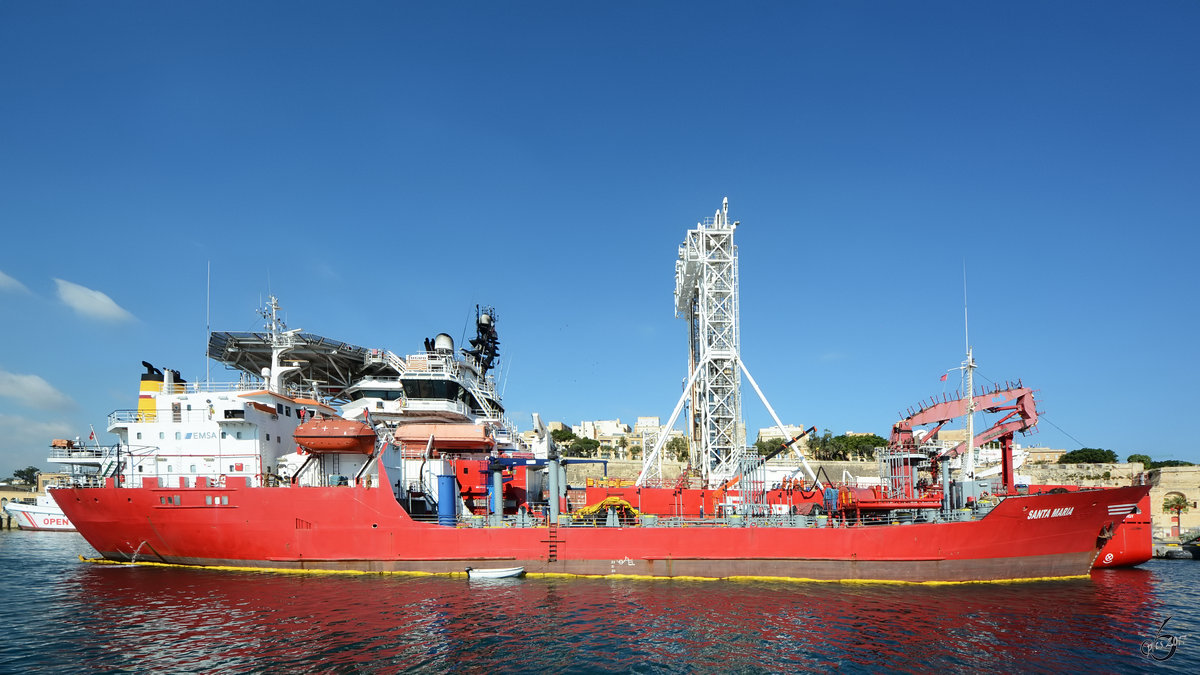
1043 418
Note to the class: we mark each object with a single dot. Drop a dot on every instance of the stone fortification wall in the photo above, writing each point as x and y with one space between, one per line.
1184 480
628 469
1086 475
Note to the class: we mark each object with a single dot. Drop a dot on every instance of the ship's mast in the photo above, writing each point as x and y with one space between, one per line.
281 341
969 460
968 472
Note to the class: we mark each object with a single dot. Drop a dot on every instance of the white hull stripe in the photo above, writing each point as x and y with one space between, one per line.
1121 509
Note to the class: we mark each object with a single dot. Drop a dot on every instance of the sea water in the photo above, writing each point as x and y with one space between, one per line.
67 616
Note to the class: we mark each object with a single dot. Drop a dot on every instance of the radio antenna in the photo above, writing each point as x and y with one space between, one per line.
966 331
207 324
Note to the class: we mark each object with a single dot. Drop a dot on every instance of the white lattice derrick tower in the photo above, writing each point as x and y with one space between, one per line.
706 296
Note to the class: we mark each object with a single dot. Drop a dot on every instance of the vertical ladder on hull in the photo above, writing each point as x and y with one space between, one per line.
552 542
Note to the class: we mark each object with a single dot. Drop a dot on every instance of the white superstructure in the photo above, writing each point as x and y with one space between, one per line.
183 432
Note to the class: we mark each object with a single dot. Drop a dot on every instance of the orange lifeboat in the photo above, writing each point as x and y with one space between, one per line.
325 435
446 436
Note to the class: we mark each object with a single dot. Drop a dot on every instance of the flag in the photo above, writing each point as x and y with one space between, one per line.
92 436
943 377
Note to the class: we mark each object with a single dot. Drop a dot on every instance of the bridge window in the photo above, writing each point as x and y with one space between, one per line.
385 394
434 389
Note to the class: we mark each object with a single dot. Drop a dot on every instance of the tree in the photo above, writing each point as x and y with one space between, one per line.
28 475
622 444
1089 456
767 446
1144 460
861 446
563 436
583 447
635 451
1175 503
1169 462
821 447
678 448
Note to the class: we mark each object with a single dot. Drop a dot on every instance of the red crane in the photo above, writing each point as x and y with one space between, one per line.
1016 400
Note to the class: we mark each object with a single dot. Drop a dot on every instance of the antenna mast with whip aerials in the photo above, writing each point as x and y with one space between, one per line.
969 369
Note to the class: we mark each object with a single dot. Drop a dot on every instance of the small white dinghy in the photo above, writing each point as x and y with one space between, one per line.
500 573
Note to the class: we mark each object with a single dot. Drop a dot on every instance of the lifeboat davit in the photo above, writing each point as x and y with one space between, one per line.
323 436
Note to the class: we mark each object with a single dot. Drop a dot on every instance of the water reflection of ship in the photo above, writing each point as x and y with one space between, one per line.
241 621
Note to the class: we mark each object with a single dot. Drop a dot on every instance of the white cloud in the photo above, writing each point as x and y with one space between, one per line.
25 442
89 303
33 391
8 283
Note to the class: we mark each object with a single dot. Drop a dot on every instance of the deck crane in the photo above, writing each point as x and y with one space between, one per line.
1016 400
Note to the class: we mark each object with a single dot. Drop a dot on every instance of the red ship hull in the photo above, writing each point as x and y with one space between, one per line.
1132 542
365 528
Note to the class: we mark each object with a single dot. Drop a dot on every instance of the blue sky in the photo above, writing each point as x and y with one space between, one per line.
382 167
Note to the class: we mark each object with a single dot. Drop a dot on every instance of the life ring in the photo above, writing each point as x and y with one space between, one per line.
221 481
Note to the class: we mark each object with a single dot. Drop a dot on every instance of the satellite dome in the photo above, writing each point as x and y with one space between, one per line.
443 343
